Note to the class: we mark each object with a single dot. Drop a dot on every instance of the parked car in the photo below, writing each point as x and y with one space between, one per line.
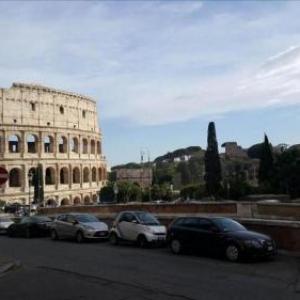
79 227
137 226
5 222
29 227
221 236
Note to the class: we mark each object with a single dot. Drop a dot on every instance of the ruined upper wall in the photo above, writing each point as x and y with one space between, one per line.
36 105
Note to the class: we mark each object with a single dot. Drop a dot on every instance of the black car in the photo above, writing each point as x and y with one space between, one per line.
218 236
30 226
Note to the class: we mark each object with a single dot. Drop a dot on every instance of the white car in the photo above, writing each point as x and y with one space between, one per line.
137 226
5 222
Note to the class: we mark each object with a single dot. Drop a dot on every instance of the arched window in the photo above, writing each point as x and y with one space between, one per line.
100 174
64 175
93 147
86 174
84 146
64 202
14 144
15 177
51 203
77 201
87 200
95 198
94 174
50 176
74 145
32 143
62 145
61 110
48 144
76 175
99 150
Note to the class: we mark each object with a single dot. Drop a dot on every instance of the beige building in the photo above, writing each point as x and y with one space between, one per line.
143 176
58 129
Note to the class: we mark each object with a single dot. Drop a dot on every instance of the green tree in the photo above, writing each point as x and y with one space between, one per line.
38 183
107 193
266 173
213 176
185 174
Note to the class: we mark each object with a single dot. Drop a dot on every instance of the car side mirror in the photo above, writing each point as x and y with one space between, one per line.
75 222
134 221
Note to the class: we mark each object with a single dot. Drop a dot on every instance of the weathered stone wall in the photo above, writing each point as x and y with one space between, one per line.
57 129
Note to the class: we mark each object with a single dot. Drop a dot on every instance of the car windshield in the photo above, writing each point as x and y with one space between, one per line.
147 219
226 225
86 218
41 219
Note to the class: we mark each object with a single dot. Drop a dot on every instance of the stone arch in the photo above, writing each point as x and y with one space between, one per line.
14 143
84 146
76 175
86 174
48 144
50 176
51 203
93 147
33 172
99 150
100 174
65 201
95 198
64 175
87 200
94 174
74 145
62 145
32 143
77 201
15 179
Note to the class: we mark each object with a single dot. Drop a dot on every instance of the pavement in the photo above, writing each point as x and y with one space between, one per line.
7 264
65 270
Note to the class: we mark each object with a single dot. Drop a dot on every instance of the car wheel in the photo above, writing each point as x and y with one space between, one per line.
54 235
113 239
27 233
232 253
176 246
79 237
142 241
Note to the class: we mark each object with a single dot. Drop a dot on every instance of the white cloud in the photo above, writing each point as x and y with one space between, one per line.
155 63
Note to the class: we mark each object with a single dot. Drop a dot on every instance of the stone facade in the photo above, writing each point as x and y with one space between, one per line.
143 177
57 129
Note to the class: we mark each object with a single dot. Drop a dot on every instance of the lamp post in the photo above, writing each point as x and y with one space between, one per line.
30 175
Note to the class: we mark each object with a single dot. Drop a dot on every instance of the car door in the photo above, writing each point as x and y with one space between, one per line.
70 226
59 225
125 226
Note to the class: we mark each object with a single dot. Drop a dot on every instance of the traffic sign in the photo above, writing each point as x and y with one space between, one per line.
3 175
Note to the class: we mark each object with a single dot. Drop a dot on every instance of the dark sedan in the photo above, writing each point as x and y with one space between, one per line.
30 227
218 236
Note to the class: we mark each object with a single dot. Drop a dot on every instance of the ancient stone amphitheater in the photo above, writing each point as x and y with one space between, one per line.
57 129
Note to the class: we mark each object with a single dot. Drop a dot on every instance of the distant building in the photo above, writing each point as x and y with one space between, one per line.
143 176
233 150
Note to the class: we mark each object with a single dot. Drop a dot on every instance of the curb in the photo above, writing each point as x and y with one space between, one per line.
9 266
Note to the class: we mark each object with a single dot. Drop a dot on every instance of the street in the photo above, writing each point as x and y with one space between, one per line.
66 270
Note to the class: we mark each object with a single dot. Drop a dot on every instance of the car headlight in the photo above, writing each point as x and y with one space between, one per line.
253 243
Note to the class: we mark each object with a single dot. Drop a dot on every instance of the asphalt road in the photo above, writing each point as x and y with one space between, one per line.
64 270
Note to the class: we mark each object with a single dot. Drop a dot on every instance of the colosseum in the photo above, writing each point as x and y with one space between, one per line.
57 130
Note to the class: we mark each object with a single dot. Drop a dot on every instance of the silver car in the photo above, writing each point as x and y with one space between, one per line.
5 222
79 227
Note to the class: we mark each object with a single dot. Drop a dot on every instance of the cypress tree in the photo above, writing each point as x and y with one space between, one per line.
38 182
213 176
266 166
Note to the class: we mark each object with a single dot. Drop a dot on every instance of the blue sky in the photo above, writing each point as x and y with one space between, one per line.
161 70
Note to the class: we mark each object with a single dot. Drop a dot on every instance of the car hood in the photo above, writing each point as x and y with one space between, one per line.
5 224
96 225
248 235
158 229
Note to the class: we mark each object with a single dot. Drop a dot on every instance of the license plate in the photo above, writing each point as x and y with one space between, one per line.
270 248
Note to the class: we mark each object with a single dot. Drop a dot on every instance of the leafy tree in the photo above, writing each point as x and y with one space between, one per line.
38 183
185 173
107 193
266 171
213 174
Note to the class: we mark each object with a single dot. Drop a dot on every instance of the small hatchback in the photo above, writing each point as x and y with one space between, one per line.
79 227
137 226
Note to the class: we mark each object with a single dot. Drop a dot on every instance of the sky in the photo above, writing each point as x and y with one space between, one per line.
161 70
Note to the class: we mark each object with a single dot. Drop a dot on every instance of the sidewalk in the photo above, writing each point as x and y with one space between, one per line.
7 264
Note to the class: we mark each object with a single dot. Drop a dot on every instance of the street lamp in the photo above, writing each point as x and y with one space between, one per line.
30 176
